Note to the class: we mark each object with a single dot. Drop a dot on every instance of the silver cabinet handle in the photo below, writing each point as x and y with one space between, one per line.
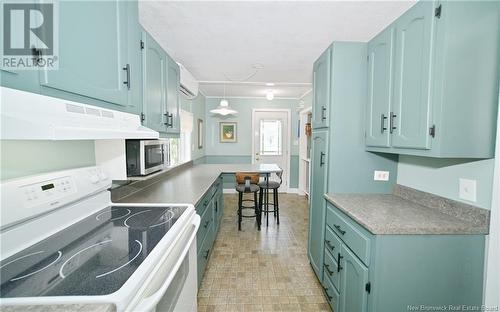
392 127
382 123
170 120
127 81
323 111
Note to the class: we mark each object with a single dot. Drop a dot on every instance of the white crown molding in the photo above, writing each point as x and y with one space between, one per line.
254 83
305 93
250 97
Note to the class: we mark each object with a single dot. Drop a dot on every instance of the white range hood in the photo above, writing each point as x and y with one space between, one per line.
31 116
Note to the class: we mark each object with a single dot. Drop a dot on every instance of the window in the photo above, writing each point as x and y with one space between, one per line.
187 121
179 149
270 137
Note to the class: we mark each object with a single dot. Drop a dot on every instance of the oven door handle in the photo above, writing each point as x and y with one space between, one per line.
149 303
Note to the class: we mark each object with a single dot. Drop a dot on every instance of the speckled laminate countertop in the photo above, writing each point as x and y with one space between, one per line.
186 186
60 308
393 214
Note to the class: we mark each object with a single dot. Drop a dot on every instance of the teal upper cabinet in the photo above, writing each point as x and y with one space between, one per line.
154 84
446 72
321 89
409 121
93 58
134 47
99 59
173 100
380 53
319 160
354 282
26 79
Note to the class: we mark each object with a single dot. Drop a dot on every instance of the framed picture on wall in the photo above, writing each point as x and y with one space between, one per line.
227 132
200 133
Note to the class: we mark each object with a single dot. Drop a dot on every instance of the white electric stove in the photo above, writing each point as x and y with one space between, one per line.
63 241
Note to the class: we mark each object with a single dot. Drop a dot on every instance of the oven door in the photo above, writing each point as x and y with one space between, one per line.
173 285
153 156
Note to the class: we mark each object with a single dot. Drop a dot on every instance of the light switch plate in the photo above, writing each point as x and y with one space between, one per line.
467 189
381 175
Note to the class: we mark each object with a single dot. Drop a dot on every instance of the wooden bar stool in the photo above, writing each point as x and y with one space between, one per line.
248 183
265 186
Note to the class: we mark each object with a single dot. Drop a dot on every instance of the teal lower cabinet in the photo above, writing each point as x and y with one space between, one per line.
319 171
210 209
393 272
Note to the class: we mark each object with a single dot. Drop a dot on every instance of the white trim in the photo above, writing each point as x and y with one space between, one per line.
305 110
289 130
201 92
305 93
229 191
249 97
492 249
253 83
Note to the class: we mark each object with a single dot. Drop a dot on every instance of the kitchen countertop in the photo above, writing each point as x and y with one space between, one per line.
392 214
60 308
186 186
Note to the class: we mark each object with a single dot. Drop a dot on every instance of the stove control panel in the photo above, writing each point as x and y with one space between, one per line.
30 197
48 190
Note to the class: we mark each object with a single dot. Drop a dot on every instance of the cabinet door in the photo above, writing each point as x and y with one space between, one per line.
411 108
321 90
380 53
134 32
173 100
154 84
25 79
354 278
92 51
318 205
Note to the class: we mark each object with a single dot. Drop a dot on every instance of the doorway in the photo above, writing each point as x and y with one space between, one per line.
271 140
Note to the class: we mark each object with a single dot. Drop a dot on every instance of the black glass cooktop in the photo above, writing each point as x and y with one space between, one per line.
95 256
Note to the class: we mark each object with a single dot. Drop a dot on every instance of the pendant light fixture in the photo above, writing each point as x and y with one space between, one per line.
224 109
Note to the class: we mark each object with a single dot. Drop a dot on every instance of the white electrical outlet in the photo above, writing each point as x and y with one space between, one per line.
467 189
381 175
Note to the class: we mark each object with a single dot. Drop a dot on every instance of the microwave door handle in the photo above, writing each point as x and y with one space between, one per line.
148 303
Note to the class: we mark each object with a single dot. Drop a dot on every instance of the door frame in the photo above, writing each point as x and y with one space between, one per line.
288 144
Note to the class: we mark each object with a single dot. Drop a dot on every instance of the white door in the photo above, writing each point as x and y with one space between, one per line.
271 140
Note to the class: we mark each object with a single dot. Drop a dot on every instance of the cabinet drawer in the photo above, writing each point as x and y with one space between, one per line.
203 203
203 254
215 188
205 227
357 241
331 269
332 242
332 296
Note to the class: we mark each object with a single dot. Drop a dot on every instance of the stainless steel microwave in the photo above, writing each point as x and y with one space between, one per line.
145 156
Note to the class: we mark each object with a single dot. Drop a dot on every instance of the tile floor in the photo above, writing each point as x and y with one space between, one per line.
262 271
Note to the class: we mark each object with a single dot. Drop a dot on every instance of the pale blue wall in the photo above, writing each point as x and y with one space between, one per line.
197 107
440 176
23 158
241 151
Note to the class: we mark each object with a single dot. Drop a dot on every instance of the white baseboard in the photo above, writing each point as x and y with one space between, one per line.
294 191
229 191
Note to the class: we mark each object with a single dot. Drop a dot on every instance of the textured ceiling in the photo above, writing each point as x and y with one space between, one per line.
220 41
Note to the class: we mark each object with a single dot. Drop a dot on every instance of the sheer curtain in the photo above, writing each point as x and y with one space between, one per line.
186 134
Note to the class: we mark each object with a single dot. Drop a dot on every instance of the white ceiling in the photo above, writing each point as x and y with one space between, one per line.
221 40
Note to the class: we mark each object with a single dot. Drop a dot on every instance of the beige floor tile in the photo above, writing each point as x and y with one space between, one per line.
262 271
